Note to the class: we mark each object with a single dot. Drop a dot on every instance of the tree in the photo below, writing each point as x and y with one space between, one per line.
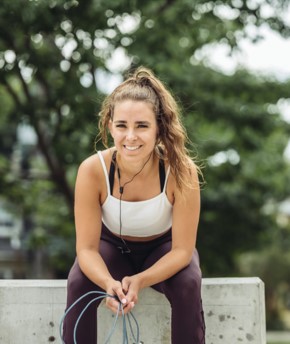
51 68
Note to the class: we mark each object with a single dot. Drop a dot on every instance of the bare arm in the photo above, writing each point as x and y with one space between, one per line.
186 211
88 222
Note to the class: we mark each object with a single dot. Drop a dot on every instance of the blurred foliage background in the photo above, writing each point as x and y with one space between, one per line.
59 58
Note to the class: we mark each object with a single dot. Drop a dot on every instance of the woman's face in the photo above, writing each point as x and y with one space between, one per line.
134 129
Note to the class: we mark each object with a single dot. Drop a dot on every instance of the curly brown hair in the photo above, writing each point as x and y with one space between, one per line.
142 85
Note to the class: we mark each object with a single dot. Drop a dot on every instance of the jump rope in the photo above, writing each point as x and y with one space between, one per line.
102 295
125 318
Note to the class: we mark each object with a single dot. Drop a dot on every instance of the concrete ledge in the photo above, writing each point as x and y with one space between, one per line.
30 312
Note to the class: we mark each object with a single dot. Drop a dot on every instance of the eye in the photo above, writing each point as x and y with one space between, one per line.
120 126
142 126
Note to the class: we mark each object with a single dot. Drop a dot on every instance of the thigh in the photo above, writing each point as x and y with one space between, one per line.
117 264
187 278
186 283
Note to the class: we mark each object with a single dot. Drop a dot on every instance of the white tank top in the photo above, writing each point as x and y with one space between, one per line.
140 219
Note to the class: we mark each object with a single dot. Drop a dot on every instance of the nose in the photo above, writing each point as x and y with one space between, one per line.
131 135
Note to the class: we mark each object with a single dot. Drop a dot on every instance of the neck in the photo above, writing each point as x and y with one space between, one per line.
132 169
130 179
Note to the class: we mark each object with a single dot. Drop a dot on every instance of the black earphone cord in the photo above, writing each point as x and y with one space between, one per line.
126 249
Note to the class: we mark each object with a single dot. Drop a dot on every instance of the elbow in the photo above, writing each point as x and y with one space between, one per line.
85 248
84 253
185 258
187 261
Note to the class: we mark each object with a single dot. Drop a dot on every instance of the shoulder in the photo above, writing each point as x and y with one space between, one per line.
190 181
91 181
190 173
91 168
93 165
193 170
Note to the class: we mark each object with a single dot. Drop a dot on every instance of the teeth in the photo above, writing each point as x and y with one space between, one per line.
132 148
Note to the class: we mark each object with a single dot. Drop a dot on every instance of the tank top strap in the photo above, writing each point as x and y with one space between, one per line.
166 178
105 170
163 176
112 171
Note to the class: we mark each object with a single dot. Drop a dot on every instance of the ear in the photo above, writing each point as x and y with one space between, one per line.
110 126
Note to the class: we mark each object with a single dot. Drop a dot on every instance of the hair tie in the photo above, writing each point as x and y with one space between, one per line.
143 77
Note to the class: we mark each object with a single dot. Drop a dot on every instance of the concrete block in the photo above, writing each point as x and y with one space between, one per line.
30 312
234 310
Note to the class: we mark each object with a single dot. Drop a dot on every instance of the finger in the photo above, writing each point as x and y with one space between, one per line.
121 296
113 305
125 285
110 302
131 305
132 296
126 309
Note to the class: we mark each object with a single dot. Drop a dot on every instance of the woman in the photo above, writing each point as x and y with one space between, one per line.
137 209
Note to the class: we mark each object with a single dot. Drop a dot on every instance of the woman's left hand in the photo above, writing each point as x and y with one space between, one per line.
131 287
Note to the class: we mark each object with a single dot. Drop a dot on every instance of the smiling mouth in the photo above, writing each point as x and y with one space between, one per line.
132 148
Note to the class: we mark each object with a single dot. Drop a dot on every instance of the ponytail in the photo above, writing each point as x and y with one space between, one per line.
142 85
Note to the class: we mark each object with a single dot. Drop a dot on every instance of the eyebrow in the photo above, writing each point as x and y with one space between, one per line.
120 122
137 122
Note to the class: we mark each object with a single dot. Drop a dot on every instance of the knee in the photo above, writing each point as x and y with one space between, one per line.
78 283
185 285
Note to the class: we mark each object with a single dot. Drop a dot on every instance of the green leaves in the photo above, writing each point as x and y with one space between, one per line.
50 82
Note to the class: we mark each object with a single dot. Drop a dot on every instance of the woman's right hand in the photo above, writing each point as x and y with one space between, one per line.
114 288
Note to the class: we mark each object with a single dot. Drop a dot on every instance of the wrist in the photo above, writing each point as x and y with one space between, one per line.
107 283
141 280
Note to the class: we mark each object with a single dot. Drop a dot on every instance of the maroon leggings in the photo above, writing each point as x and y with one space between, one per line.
183 290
